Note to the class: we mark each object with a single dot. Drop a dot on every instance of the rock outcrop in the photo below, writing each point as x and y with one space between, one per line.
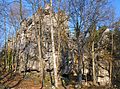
26 41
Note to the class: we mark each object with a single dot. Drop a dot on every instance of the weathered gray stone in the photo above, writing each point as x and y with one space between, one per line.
27 39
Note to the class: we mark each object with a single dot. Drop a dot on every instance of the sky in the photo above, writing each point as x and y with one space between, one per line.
116 5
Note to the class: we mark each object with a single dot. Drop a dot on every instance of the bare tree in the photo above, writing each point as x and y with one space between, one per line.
83 14
53 49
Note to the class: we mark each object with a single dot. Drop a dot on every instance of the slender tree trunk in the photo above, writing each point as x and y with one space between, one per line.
13 54
110 74
59 54
17 57
110 63
79 65
21 17
54 57
5 59
112 45
53 48
93 64
40 49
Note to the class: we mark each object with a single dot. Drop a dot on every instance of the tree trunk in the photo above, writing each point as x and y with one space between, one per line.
110 74
53 48
40 50
5 59
21 17
79 65
54 58
93 64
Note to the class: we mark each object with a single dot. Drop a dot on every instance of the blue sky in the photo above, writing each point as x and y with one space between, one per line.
116 4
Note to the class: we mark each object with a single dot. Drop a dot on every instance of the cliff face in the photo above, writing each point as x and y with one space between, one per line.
27 48
27 39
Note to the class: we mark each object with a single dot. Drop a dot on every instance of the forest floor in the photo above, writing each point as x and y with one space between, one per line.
18 81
